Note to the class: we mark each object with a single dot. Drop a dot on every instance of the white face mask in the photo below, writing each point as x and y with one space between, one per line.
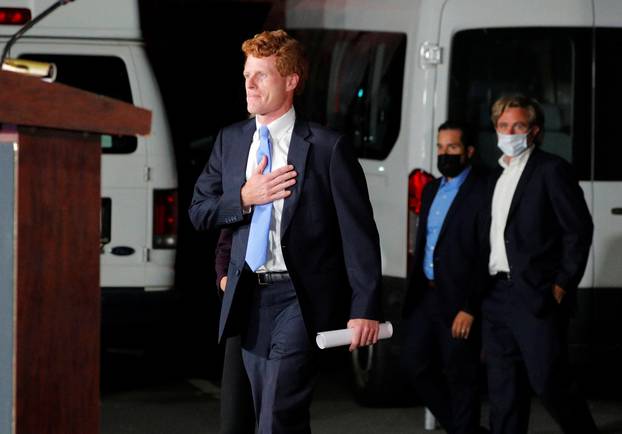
512 145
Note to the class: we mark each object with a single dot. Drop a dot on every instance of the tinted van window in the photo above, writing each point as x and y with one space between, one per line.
103 75
608 98
551 65
355 86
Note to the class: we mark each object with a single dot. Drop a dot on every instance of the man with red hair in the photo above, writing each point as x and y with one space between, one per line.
305 253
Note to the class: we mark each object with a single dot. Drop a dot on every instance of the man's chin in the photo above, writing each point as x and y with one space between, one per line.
252 110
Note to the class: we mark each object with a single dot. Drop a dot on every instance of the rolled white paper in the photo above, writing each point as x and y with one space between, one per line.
336 338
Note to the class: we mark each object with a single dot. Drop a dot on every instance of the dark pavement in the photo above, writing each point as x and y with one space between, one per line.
141 397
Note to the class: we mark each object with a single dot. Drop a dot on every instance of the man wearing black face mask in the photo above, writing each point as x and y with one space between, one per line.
441 347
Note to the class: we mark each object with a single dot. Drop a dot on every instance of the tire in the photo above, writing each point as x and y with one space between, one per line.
377 378
376 374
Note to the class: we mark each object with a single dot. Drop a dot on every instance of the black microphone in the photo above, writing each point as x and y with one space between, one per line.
28 25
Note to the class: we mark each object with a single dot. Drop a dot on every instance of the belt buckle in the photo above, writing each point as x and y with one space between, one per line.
263 279
503 275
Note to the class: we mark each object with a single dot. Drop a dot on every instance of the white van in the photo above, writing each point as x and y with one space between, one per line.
97 46
389 72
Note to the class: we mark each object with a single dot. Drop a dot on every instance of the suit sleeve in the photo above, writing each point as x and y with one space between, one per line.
222 255
481 277
575 223
211 205
358 231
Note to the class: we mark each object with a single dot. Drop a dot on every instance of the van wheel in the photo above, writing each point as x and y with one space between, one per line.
376 376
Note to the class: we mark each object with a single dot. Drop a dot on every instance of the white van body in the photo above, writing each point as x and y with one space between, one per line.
458 55
92 34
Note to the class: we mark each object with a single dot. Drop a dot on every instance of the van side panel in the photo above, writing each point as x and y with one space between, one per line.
459 14
387 179
117 19
608 13
390 15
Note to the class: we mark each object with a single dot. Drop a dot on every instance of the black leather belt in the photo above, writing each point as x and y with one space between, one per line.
272 277
501 275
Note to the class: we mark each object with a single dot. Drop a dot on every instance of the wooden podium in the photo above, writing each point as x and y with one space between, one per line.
49 251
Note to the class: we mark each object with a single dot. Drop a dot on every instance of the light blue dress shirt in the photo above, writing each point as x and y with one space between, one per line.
438 211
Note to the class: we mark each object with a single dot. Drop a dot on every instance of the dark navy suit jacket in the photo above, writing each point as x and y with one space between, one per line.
460 254
548 231
328 236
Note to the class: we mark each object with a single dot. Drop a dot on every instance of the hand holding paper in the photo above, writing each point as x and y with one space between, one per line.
336 338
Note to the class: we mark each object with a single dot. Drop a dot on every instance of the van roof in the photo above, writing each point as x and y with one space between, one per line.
118 19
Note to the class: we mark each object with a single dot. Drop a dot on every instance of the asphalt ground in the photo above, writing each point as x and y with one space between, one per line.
140 397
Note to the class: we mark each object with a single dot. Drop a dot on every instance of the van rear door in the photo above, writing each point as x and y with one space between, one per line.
549 57
608 155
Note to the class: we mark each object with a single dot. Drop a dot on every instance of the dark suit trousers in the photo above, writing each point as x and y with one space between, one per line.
443 370
280 361
521 350
237 415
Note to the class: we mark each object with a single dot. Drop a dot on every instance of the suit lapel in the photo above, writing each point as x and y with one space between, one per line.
297 157
523 180
239 157
464 189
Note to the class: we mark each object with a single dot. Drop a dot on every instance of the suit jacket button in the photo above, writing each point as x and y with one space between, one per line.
237 272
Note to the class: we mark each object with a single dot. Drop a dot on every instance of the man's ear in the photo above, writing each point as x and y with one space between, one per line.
470 151
291 82
535 131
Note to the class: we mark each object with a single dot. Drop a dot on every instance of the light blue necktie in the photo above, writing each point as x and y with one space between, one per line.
257 247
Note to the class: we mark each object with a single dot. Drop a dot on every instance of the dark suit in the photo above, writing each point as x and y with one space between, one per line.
547 238
444 369
328 239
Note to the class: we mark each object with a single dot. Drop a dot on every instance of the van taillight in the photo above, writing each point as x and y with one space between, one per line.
416 181
14 16
164 219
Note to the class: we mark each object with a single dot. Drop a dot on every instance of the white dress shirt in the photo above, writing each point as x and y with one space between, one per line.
280 135
501 201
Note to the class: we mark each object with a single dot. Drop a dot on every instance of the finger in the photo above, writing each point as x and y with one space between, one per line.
461 331
279 195
375 334
282 186
281 170
278 177
364 336
455 329
356 338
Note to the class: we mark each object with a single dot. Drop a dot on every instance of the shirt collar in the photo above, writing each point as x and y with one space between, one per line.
456 181
518 160
282 124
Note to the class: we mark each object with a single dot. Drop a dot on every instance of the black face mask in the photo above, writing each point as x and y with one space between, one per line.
450 165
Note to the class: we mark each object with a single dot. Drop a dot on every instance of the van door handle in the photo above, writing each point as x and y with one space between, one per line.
616 211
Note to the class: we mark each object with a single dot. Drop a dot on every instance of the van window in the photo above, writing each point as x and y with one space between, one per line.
608 99
551 65
104 75
355 86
